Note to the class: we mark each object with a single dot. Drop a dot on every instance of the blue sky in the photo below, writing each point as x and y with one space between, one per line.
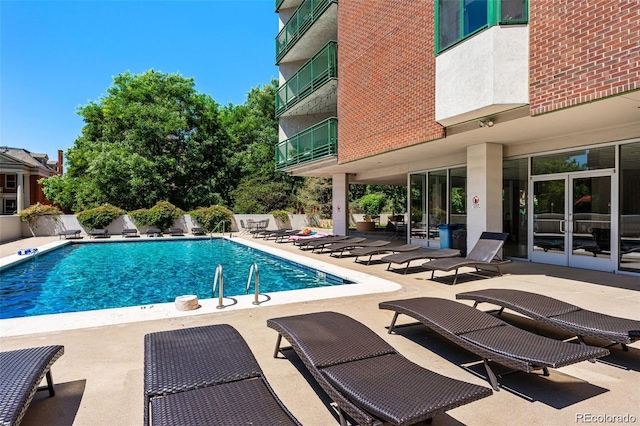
58 55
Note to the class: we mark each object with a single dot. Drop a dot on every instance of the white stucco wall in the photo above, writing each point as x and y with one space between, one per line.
483 75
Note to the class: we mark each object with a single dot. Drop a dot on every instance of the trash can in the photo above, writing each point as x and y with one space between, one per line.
446 235
459 241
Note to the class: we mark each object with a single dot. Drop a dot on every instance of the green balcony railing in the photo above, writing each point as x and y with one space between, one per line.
299 23
317 142
318 70
278 4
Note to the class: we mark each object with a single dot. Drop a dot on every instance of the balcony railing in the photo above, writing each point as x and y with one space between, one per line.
322 67
298 24
278 4
317 142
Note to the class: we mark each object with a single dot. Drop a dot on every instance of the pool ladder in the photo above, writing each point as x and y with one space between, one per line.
219 278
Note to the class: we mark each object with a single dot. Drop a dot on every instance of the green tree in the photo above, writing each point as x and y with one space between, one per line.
151 138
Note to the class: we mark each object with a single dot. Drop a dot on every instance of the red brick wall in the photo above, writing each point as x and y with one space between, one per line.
582 51
386 76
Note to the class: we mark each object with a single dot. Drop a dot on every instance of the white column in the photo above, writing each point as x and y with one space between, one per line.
484 190
340 195
19 192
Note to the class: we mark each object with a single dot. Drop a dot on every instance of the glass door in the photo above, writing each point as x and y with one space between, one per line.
571 223
550 215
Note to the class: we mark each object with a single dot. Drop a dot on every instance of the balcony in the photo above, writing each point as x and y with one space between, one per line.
283 4
314 23
307 85
316 143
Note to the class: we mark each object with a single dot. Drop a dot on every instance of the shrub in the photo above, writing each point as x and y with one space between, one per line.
281 215
99 217
31 214
210 217
162 215
372 204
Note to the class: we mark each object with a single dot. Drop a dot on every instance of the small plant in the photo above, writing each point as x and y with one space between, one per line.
162 215
210 217
99 217
31 214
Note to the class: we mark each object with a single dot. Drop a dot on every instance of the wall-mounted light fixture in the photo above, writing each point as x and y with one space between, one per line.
486 122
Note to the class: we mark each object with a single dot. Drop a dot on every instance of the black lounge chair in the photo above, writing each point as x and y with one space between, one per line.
206 376
198 231
99 233
486 252
130 232
372 251
350 241
366 377
320 242
559 314
176 232
154 232
491 338
21 372
339 248
284 236
69 234
420 254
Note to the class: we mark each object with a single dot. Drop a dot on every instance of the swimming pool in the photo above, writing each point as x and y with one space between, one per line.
82 277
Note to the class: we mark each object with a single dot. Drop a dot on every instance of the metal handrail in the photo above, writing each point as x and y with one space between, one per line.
218 276
254 268
317 142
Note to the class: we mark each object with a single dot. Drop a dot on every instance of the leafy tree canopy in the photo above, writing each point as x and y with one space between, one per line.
151 138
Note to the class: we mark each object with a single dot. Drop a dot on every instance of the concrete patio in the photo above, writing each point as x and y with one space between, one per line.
99 379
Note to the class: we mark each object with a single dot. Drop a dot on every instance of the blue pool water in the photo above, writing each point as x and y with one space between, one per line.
82 277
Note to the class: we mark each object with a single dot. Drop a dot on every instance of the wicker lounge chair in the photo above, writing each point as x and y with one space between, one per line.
491 338
205 376
556 313
21 371
372 251
486 252
129 232
69 234
350 241
368 379
284 236
99 233
420 254
198 231
314 243
176 232
339 248
154 232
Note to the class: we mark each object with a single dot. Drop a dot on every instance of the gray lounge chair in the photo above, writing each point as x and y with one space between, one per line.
129 232
99 233
207 376
366 377
21 371
69 234
198 231
420 254
486 252
341 246
372 251
556 313
350 241
154 232
320 242
176 232
491 338
284 236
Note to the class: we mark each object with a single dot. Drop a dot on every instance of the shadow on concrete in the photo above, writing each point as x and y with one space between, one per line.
289 353
558 390
59 410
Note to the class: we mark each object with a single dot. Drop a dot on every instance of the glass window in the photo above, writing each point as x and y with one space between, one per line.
10 206
574 161
629 207
514 207
475 16
418 221
10 182
513 11
458 196
459 19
